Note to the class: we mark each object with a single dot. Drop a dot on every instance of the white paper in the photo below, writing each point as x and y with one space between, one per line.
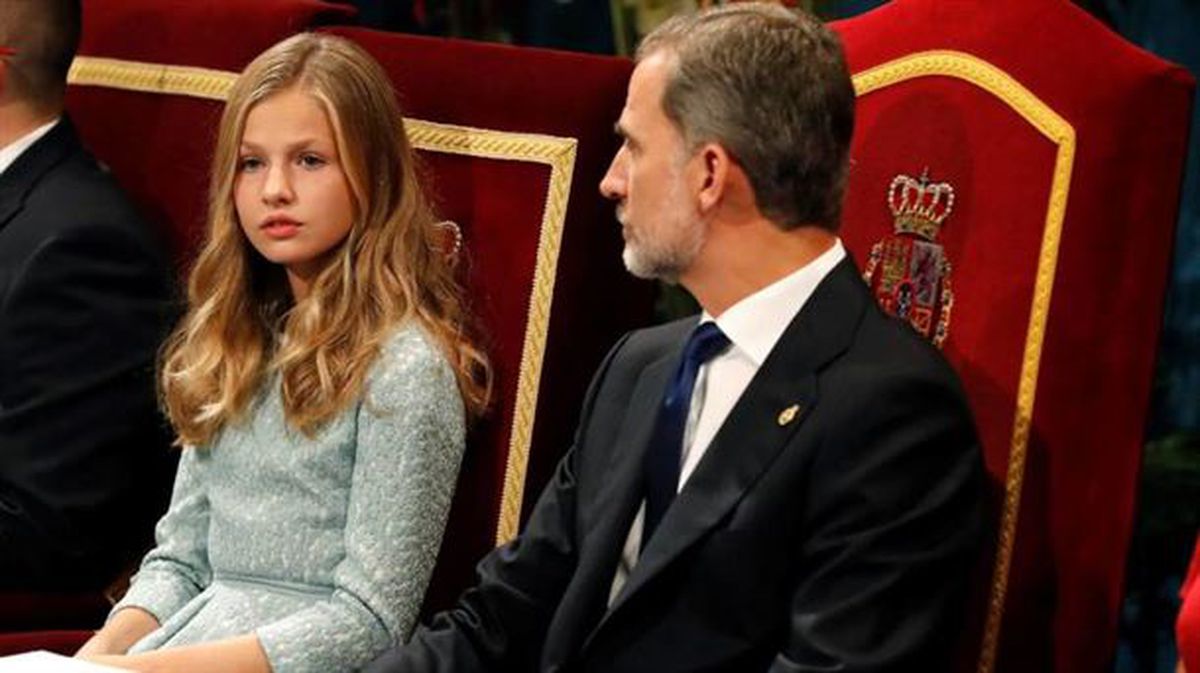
42 661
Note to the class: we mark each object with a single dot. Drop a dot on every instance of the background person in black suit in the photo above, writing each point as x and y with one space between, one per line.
84 300
829 483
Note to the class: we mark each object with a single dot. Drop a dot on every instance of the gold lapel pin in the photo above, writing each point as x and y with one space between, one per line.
788 415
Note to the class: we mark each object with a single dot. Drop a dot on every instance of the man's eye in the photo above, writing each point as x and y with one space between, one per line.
249 164
311 161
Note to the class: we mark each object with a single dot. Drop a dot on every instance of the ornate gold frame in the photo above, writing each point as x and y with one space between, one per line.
988 77
555 152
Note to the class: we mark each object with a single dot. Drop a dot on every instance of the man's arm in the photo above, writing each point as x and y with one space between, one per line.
82 447
897 501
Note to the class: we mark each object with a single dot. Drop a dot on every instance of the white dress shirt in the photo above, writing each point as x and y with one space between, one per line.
9 153
753 325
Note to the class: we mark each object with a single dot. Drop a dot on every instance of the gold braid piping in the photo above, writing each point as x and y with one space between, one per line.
151 77
559 155
1050 124
556 152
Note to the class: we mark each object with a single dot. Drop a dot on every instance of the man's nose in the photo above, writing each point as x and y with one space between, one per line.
612 186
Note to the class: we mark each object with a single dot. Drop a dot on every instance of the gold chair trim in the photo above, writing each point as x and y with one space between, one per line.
1057 130
556 152
151 77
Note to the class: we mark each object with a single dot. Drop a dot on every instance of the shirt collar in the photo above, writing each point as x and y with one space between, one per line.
13 151
756 323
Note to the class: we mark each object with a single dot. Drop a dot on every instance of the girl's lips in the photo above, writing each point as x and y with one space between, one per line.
280 229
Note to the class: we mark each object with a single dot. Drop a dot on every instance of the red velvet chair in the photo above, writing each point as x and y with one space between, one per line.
542 249
1043 281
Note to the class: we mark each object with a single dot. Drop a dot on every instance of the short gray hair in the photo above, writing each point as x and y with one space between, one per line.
771 86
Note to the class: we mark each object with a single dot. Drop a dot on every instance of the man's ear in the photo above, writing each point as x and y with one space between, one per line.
715 165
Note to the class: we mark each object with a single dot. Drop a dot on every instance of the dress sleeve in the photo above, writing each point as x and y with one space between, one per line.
410 440
177 569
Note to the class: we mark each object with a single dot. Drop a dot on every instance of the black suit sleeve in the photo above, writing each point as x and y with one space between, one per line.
84 458
896 505
500 624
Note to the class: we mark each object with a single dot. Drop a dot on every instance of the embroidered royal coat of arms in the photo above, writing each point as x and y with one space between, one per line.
908 272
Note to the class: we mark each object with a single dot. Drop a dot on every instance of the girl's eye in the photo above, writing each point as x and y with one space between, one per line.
246 164
311 161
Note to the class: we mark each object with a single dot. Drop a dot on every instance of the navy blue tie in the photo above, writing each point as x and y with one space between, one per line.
666 444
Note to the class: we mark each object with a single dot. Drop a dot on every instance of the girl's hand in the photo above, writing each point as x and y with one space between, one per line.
120 633
99 644
240 654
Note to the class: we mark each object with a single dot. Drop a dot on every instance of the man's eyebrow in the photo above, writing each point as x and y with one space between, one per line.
623 133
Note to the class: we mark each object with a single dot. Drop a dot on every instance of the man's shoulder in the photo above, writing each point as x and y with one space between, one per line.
91 188
887 352
78 200
72 215
658 340
638 349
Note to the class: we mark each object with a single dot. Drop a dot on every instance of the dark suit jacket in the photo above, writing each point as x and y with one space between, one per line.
838 541
84 302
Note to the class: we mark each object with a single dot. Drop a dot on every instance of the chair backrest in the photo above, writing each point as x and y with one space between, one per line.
1042 277
513 143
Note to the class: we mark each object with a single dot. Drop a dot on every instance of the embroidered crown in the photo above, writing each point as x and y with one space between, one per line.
920 206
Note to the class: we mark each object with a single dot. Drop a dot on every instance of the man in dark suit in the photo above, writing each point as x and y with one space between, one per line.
791 482
84 301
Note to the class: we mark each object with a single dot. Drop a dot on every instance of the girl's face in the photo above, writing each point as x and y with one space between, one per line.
292 197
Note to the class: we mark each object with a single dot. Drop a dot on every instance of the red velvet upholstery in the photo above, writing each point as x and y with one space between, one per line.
550 307
1112 120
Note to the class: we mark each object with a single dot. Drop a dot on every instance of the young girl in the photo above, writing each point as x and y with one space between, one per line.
319 384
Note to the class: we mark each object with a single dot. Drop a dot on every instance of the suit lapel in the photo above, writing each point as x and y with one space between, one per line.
49 150
625 468
759 426
615 507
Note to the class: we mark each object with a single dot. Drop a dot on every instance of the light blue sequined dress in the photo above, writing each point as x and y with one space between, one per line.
321 546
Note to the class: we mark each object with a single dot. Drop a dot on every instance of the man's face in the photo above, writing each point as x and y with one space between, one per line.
659 221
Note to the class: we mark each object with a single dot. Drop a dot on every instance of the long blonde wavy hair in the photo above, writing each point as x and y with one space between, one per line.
389 269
